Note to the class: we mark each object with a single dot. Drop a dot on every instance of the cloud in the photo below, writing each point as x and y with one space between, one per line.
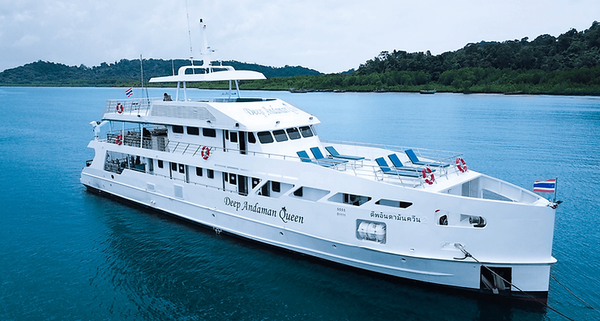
330 36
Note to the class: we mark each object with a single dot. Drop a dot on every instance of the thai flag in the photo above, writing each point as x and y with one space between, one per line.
129 92
547 186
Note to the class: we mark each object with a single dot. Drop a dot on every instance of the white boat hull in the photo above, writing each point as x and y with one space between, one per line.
224 211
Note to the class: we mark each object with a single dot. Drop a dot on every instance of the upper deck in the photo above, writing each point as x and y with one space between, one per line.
248 114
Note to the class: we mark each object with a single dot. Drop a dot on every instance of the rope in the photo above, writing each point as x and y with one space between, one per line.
580 299
467 254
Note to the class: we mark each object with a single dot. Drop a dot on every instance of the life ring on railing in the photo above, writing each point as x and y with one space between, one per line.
461 165
119 139
428 175
119 108
205 153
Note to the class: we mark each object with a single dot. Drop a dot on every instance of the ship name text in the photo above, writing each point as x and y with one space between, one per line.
266 111
396 217
283 214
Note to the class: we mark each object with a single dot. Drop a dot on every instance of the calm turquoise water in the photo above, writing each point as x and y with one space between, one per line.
66 254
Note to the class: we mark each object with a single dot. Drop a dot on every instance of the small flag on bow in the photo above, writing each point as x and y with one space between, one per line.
129 92
547 186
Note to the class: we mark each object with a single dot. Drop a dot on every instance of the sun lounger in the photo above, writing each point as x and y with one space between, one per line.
319 156
385 168
334 153
415 160
305 158
399 166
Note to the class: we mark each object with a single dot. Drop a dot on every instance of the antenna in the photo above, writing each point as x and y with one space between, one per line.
189 34
206 51
142 77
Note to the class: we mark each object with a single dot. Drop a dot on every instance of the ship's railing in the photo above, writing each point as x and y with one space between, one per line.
133 138
429 156
142 106
357 168
138 106
365 168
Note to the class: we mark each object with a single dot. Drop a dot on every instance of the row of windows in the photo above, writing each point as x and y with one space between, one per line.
265 137
281 135
181 169
302 192
206 132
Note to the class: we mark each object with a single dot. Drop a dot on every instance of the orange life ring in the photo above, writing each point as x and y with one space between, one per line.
461 165
119 139
428 175
119 108
205 153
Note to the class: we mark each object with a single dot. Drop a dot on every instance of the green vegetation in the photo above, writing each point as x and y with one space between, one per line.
567 64
119 74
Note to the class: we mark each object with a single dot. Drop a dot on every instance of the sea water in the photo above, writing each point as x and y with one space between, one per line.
66 254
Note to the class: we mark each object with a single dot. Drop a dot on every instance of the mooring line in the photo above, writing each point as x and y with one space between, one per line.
467 254
580 299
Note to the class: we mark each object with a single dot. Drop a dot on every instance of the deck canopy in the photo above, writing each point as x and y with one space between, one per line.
209 74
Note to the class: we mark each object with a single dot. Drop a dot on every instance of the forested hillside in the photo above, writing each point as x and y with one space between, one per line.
121 73
567 64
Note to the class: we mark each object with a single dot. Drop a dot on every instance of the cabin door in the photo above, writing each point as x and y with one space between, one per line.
232 141
242 139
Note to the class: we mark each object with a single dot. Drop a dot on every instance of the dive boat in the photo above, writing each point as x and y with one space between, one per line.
256 168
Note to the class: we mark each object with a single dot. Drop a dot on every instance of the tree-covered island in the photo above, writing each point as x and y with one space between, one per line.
568 64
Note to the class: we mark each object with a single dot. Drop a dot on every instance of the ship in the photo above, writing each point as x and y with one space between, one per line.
257 168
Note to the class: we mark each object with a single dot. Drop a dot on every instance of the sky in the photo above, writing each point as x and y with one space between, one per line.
329 36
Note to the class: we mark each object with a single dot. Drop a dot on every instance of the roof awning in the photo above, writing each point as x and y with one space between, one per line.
212 76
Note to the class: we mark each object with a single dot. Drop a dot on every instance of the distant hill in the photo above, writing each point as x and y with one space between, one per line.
565 65
122 73
571 50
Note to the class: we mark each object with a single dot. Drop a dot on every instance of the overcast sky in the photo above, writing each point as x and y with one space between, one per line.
326 35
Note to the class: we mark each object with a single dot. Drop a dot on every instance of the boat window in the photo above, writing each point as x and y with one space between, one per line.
232 179
298 192
225 177
306 132
178 129
392 203
276 186
293 133
209 132
160 163
352 199
233 137
309 193
265 137
280 135
255 182
274 189
210 173
181 168
198 171
174 167
251 138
